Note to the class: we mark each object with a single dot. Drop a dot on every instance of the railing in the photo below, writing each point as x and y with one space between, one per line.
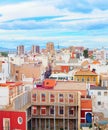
52 103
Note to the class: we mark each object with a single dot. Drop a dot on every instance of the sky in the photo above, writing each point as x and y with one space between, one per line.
64 22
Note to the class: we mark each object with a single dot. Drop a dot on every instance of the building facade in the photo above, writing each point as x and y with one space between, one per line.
50 47
100 102
87 76
20 50
35 49
55 110
12 120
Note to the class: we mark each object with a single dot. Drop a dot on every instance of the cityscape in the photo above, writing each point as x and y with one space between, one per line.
53 65
54 89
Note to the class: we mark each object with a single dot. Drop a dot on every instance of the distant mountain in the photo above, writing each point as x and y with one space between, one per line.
3 49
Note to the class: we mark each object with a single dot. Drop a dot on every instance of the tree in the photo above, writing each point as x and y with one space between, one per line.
5 54
85 53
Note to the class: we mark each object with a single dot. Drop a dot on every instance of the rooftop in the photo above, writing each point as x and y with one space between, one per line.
85 72
10 84
98 88
63 86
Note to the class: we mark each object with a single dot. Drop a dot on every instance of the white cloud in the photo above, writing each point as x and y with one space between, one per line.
56 28
29 9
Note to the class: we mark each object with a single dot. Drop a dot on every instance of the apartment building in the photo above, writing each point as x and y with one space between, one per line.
56 105
20 50
27 70
15 99
99 54
50 46
50 105
87 76
9 90
104 79
35 49
50 49
100 103
55 108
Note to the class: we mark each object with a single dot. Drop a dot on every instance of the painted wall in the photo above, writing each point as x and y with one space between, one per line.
4 96
13 120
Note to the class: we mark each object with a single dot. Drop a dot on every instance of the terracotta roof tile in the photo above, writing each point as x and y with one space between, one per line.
85 72
95 62
84 63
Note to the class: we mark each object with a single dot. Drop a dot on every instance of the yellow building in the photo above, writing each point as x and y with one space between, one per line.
87 76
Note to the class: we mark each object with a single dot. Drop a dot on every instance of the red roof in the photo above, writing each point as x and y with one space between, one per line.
11 84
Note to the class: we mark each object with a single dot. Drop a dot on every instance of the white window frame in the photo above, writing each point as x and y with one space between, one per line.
50 97
41 97
59 97
69 97
33 109
41 109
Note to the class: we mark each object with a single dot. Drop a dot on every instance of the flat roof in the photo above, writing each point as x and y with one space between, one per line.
98 88
70 85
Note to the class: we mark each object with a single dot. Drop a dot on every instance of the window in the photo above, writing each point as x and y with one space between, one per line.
70 98
6 123
94 79
99 93
61 110
52 110
20 120
34 97
105 93
99 103
103 83
88 79
43 97
71 110
34 110
52 97
43 110
17 71
82 79
71 67
60 97
77 79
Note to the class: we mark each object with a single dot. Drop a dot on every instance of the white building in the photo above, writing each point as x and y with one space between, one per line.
15 59
4 97
100 100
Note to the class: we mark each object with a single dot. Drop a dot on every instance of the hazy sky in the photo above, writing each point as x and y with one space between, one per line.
78 22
